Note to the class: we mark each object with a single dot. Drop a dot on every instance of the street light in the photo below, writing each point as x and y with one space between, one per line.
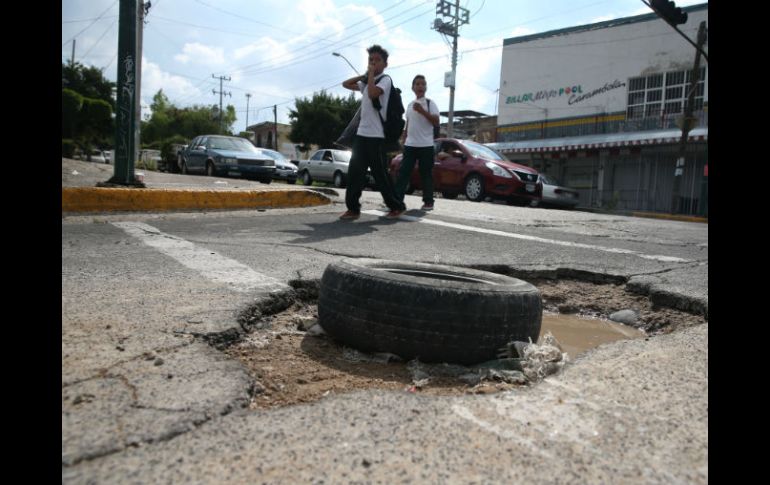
346 60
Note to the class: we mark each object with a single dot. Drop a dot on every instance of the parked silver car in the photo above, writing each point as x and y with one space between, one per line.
556 195
328 165
97 156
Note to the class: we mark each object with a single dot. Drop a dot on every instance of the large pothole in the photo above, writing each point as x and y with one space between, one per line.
292 365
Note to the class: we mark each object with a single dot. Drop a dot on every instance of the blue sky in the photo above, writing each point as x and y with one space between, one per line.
280 50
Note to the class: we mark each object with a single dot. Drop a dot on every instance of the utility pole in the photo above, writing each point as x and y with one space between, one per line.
142 9
444 8
72 62
688 121
221 93
275 126
125 116
247 111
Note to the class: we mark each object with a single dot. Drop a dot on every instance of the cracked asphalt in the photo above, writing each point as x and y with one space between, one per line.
145 399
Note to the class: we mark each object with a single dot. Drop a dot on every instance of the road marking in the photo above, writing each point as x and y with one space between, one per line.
211 265
667 259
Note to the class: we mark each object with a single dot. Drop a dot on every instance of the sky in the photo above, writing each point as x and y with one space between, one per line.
277 51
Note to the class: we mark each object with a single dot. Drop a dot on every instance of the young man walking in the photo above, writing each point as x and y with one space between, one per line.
422 116
368 144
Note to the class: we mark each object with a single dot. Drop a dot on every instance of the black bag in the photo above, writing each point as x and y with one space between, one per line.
394 125
436 128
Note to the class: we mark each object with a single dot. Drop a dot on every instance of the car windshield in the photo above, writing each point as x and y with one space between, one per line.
277 156
342 156
480 151
548 180
234 144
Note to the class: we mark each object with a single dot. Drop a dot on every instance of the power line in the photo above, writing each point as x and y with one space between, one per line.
89 25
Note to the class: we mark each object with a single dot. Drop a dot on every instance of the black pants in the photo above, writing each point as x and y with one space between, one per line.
369 153
423 156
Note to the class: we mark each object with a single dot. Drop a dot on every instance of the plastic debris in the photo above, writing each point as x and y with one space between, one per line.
75 172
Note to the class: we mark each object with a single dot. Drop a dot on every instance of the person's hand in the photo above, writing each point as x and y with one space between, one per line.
418 107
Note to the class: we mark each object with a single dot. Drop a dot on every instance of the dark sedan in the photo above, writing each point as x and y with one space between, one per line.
478 172
227 155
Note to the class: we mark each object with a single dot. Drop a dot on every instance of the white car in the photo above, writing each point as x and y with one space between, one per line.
555 194
97 156
327 165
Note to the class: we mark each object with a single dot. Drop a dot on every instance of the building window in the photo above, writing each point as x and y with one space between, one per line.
663 94
259 140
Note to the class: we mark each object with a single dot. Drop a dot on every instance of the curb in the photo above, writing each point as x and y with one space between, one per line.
100 199
647 215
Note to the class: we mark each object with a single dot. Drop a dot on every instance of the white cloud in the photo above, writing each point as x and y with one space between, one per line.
201 54
155 79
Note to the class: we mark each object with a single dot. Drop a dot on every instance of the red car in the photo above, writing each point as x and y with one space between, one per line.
477 171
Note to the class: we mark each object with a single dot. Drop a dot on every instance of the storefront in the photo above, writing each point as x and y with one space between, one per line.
600 107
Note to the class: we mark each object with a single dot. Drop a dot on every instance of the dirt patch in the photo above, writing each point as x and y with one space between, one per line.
292 365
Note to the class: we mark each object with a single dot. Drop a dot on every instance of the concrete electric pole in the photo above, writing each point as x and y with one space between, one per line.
451 28
247 111
127 95
221 93
688 121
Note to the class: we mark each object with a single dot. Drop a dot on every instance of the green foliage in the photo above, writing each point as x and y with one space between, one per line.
167 121
68 147
320 120
71 103
167 150
89 82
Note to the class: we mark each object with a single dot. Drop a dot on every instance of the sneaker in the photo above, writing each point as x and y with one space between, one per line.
350 216
395 214
427 206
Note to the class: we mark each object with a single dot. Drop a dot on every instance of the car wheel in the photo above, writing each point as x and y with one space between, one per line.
474 188
210 170
306 178
291 181
449 195
433 312
339 180
266 181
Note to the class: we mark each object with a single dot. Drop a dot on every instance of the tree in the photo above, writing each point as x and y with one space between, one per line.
71 103
89 82
320 120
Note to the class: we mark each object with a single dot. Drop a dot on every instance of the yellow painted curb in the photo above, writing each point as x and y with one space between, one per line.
99 199
670 217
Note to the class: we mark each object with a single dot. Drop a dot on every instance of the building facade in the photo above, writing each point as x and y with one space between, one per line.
264 135
600 107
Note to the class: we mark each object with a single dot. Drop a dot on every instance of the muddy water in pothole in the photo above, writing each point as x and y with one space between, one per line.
577 334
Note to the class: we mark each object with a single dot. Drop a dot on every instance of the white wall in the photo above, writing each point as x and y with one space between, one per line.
588 61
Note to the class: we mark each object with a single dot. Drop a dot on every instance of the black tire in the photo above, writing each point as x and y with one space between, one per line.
449 195
339 180
210 169
306 178
432 312
474 188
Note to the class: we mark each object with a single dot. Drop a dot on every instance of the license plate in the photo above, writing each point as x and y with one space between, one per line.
530 187
234 173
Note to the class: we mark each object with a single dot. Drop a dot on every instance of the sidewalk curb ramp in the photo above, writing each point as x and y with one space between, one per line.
98 199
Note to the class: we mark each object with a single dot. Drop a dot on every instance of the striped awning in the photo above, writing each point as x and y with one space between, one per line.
610 140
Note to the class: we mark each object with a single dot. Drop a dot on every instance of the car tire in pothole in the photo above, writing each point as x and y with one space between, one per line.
432 312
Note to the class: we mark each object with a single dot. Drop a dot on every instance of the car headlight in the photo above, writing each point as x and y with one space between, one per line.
498 170
229 161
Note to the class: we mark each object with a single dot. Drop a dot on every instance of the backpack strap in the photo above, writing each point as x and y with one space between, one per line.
376 102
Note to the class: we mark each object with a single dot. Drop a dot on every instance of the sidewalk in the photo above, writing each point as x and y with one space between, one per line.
165 191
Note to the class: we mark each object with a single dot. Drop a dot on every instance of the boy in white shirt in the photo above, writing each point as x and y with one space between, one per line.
422 115
368 144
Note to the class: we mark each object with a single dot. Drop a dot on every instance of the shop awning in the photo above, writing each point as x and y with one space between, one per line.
610 140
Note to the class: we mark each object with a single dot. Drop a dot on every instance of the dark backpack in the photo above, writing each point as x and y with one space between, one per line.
436 128
394 125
